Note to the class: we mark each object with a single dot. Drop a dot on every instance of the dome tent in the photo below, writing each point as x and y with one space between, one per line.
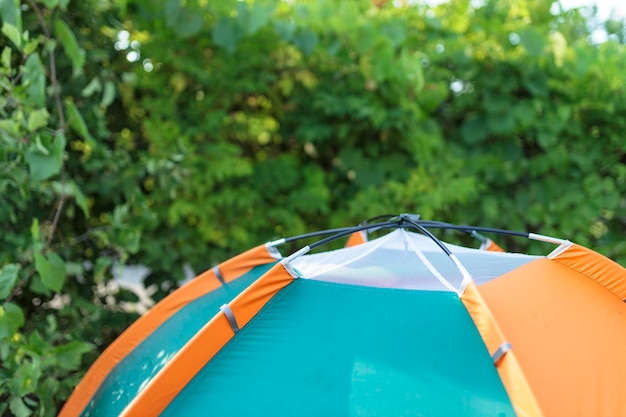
401 325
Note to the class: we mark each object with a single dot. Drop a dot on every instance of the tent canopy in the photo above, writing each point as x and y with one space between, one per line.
400 325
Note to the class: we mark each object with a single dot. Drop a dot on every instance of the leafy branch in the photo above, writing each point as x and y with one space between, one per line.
60 113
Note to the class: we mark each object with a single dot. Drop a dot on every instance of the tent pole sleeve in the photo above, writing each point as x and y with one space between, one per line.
543 238
508 367
209 340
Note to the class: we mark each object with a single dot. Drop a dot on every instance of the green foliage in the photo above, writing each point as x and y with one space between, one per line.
536 102
380 102
68 40
170 133
52 318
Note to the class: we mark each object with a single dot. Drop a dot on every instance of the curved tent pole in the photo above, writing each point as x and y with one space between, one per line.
330 231
346 232
398 220
350 230
476 229
467 277
472 230
284 240
413 221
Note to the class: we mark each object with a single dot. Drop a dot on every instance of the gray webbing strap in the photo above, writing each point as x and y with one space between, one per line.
499 353
231 317
219 275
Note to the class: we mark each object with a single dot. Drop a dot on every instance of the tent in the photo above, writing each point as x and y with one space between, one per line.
400 325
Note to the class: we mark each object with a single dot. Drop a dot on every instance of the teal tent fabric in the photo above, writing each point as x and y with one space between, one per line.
327 349
149 357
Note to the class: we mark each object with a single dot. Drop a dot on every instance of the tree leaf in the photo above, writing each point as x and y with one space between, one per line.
547 140
31 46
13 34
108 95
6 57
432 95
257 17
35 80
11 319
36 286
11 13
8 277
70 44
91 88
34 230
184 20
18 408
69 355
306 40
285 29
48 391
130 239
81 200
533 41
51 269
70 189
226 33
26 377
76 120
10 127
411 69
100 268
43 166
38 119
39 146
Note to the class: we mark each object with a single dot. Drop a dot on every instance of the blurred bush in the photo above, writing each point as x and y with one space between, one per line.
169 133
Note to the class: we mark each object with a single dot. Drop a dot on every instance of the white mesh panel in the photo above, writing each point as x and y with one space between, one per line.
393 261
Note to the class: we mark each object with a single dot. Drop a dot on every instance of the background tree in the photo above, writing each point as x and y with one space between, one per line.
169 133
